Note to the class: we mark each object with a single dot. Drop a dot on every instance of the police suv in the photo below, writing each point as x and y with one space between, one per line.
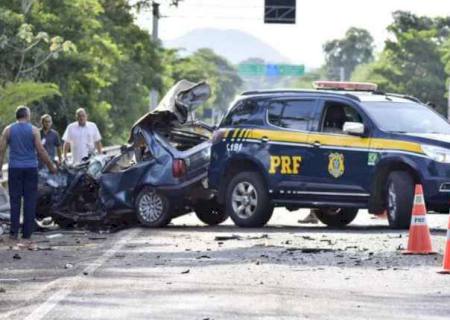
337 149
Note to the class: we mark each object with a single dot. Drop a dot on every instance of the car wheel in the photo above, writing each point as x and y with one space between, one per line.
399 199
210 212
248 202
336 218
152 208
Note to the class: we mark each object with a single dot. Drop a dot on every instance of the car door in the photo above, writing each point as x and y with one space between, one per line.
341 161
289 163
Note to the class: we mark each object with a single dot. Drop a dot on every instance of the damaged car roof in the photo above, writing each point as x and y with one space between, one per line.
174 108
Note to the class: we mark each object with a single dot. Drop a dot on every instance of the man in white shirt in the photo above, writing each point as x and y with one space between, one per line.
81 137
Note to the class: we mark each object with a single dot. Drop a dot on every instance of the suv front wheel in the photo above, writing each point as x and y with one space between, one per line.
399 199
247 200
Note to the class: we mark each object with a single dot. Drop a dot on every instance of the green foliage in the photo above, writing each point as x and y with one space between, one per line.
204 65
413 60
22 93
354 49
90 49
306 82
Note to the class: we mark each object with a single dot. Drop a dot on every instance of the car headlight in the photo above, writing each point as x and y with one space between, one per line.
437 153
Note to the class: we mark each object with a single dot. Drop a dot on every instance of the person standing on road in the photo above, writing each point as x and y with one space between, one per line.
50 140
81 137
24 142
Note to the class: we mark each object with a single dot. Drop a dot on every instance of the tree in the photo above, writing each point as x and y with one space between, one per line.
412 61
204 65
345 54
110 73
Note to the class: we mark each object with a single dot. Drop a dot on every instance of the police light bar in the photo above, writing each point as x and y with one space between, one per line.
342 85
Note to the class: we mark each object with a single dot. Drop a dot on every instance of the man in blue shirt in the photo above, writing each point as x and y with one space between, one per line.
50 140
24 143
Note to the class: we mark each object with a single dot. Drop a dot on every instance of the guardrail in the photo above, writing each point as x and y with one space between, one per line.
111 150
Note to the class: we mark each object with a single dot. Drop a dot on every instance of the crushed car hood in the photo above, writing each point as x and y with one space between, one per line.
174 108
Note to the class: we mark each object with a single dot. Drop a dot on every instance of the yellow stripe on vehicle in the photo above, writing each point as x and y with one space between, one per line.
396 145
335 140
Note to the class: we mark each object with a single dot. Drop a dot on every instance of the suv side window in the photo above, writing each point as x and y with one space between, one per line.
336 114
241 114
291 114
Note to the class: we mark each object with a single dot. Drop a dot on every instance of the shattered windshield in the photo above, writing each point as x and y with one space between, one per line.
406 117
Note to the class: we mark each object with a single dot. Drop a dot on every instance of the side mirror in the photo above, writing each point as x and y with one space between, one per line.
354 128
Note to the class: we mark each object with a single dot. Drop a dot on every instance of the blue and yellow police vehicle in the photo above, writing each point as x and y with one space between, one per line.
339 148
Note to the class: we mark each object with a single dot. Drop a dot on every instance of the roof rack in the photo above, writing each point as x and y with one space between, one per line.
404 96
290 91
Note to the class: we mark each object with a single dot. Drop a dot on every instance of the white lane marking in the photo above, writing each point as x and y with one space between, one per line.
41 311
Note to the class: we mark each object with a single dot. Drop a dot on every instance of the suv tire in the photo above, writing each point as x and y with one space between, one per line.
399 199
152 208
336 218
210 212
247 200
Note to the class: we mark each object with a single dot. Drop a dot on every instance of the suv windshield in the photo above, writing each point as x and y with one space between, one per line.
406 117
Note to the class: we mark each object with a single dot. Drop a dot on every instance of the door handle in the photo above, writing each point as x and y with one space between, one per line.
316 144
264 140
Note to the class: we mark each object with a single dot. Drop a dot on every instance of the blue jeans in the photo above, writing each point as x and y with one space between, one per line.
22 183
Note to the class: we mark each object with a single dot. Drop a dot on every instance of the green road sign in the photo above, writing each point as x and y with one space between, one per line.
270 70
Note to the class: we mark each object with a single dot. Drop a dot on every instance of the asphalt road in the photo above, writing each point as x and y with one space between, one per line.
190 271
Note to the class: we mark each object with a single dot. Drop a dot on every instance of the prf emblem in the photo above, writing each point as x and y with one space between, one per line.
285 164
336 164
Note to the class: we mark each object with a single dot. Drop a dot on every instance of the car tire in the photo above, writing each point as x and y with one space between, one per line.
152 208
210 212
399 199
336 218
257 209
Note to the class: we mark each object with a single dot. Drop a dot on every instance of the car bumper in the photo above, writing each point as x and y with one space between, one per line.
437 194
188 190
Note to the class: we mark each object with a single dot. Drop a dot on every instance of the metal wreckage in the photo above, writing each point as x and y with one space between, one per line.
159 175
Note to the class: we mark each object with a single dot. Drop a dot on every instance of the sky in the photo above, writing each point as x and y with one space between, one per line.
317 21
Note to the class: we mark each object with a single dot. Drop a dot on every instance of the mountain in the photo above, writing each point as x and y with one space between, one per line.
235 45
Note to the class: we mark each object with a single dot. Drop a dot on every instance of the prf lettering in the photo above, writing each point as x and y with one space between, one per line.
285 164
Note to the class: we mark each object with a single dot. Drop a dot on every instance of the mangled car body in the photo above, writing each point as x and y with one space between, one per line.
161 174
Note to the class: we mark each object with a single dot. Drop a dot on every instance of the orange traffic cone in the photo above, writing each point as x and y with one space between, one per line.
419 241
446 263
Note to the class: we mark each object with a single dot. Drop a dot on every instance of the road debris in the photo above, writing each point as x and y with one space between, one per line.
310 250
54 236
263 236
17 256
2 290
97 238
68 266
226 238
185 271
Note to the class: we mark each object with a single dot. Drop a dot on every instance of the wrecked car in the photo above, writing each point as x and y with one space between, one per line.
160 175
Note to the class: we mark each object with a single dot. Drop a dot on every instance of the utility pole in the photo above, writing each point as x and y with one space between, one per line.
156 16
